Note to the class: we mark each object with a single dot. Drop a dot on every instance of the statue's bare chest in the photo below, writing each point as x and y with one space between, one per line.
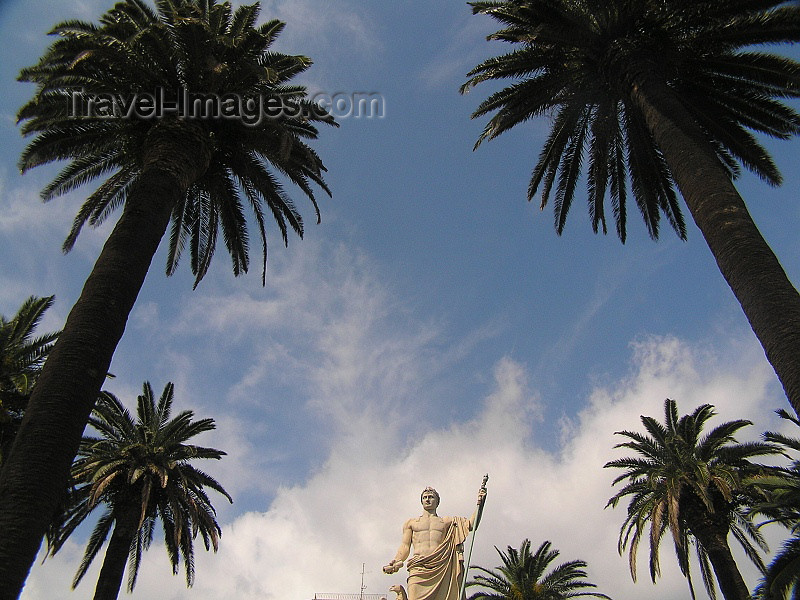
428 532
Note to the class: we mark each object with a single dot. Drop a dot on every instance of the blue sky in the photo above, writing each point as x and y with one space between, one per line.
432 328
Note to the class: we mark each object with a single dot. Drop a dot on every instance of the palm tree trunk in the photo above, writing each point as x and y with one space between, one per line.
715 543
769 300
35 474
109 581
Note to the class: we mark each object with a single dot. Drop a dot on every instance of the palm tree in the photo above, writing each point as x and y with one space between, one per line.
141 470
21 359
697 487
782 506
782 574
180 165
659 93
524 576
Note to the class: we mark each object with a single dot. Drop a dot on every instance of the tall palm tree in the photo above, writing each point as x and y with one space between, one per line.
697 487
659 93
524 576
140 470
21 359
195 170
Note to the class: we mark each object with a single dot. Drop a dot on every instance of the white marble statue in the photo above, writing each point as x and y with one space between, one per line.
436 568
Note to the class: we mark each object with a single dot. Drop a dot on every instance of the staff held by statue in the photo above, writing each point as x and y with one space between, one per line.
481 501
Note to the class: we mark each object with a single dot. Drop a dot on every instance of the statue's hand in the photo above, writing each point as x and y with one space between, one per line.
481 496
393 567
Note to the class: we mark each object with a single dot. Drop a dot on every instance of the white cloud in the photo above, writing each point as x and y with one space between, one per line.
464 47
329 352
31 234
345 35
24 209
315 536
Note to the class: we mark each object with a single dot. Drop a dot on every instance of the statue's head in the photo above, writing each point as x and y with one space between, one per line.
430 492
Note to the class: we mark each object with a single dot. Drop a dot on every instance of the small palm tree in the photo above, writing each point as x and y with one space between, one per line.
782 506
21 359
140 470
524 576
160 160
697 487
659 93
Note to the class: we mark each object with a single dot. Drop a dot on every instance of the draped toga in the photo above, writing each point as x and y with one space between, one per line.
437 576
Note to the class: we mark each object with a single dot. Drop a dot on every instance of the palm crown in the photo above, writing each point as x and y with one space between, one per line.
694 485
21 354
179 57
21 359
783 506
579 60
524 576
141 470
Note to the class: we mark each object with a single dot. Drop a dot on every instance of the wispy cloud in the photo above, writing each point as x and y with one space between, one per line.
346 35
464 47
315 534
